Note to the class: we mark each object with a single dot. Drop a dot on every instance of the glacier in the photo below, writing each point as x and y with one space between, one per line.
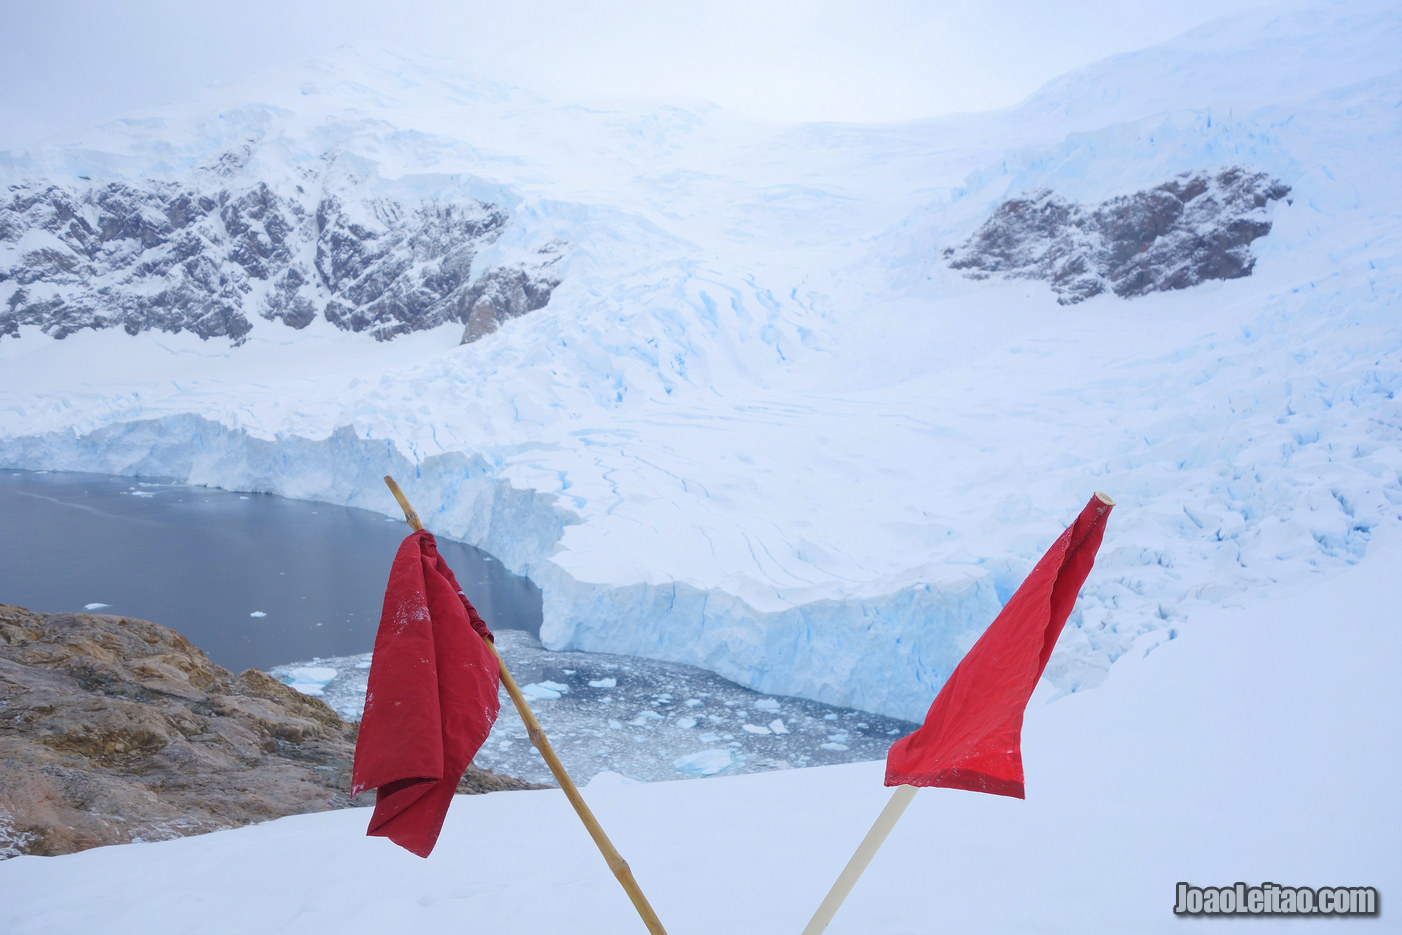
761 426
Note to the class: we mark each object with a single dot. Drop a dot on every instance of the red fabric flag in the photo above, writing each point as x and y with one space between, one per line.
431 698
972 735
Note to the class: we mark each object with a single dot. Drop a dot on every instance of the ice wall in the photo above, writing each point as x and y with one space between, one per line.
886 654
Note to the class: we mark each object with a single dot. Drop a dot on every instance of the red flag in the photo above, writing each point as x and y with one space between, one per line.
972 735
431 698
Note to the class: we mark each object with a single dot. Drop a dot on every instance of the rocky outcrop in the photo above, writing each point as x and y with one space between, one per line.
211 257
1188 230
115 730
392 270
510 292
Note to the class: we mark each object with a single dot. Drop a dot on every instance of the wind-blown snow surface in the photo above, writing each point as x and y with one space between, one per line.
761 427
1249 749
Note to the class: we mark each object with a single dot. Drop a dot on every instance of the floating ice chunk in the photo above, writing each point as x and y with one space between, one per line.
836 742
608 779
703 762
141 493
309 680
95 606
754 729
615 725
693 702
767 704
609 682
644 718
829 717
709 738
544 691
777 726
686 723
258 613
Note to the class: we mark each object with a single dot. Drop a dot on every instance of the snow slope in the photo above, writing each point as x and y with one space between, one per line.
761 427
1248 749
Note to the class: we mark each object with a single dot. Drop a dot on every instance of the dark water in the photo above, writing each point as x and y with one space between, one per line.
205 561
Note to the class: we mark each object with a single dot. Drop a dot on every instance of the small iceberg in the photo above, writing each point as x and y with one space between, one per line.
703 762
544 691
309 680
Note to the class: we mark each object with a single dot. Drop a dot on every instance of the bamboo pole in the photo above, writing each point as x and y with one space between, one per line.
874 839
864 853
616 863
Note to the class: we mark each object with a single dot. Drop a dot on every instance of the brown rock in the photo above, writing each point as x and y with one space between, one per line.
115 730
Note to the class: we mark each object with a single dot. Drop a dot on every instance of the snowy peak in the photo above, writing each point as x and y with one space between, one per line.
1236 63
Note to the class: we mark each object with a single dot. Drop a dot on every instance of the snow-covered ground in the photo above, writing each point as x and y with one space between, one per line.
1259 746
761 427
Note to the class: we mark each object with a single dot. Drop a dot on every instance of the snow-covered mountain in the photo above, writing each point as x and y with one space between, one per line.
740 408
259 217
176 258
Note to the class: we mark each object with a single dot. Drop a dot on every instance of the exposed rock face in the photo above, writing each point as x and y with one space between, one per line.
1190 229
210 256
115 730
509 292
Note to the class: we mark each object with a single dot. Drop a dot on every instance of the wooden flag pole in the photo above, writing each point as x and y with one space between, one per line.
616 863
864 853
877 835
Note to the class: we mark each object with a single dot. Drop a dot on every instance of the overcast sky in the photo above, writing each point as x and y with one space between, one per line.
72 63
